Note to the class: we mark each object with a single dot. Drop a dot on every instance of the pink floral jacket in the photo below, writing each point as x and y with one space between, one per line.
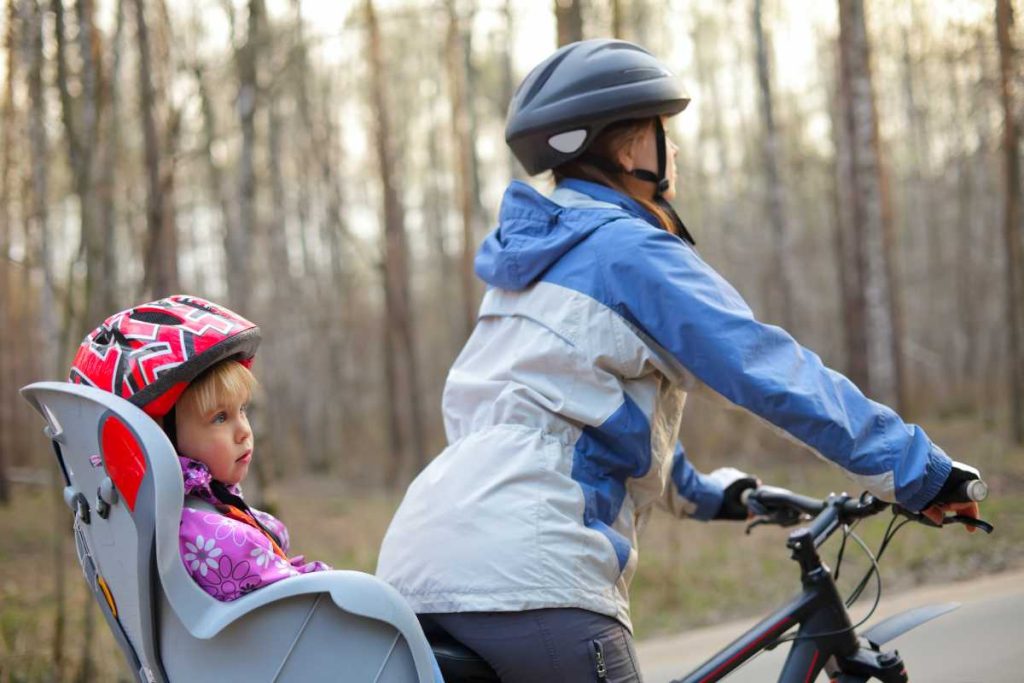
227 557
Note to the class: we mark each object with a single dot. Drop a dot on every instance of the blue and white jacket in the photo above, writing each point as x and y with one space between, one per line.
563 409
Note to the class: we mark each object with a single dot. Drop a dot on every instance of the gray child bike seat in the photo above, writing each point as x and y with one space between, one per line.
124 487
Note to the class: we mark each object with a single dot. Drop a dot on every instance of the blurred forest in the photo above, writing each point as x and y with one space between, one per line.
327 169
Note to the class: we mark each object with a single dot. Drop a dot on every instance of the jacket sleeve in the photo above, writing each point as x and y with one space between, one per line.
694 493
229 559
661 286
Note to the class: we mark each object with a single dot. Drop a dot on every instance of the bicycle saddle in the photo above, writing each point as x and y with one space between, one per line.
458 663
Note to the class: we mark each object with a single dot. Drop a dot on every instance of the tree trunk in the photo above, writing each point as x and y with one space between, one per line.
314 282
337 418
781 307
92 238
725 212
338 414
32 20
457 58
107 186
569 18
848 253
437 213
618 21
924 255
1012 216
161 258
400 357
508 82
32 44
7 164
85 177
967 363
214 173
240 235
80 118
869 225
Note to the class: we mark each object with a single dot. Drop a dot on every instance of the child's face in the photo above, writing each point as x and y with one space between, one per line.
221 439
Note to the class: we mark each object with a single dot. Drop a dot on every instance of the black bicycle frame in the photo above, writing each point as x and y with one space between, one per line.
825 631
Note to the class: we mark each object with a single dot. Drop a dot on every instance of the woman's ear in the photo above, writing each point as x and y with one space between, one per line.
624 157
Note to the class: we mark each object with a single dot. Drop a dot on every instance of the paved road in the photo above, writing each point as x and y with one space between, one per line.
982 642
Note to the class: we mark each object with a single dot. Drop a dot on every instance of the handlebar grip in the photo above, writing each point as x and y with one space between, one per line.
974 490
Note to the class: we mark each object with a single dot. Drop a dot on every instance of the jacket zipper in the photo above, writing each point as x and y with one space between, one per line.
602 671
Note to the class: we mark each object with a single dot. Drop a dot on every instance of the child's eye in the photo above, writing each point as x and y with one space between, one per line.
220 417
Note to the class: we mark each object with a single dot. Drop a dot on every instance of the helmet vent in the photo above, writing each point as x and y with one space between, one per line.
542 78
155 318
568 142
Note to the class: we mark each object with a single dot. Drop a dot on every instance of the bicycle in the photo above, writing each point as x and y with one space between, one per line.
826 638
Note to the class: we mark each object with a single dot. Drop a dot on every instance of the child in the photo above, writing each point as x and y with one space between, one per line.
233 549
185 361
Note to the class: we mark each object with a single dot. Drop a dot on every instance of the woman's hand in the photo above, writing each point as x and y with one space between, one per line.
952 498
733 506
936 512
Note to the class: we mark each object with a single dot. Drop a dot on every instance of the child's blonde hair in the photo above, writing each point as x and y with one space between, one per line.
227 380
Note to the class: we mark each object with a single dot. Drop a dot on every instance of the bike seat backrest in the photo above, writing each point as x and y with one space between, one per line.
119 497
124 484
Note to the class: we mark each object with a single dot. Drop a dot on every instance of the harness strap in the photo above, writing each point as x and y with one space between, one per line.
238 514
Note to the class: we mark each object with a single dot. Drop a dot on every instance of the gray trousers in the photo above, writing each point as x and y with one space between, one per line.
546 645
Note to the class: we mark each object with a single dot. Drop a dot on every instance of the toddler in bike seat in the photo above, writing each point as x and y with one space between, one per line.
186 362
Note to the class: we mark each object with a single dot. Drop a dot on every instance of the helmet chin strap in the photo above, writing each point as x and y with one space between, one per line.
660 179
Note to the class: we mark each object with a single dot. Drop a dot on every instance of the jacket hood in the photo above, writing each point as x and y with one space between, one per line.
535 231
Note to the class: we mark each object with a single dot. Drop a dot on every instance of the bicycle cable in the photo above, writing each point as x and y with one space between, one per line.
878 597
887 537
847 530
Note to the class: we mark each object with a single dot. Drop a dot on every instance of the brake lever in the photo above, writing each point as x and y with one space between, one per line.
969 521
781 518
946 521
758 521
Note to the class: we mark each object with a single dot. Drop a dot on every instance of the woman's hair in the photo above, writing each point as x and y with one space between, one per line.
227 380
612 139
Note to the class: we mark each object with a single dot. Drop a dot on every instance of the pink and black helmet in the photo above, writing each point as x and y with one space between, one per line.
148 354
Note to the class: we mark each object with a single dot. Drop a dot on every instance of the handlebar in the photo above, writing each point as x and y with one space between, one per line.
774 505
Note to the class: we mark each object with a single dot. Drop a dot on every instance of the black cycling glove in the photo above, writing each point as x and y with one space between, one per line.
950 491
732 506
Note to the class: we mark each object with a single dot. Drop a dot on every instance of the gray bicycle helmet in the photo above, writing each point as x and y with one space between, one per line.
570 97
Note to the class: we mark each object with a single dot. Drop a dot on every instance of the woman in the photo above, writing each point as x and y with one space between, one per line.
562 411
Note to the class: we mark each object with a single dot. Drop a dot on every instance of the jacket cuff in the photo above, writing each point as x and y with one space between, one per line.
708 498
936 472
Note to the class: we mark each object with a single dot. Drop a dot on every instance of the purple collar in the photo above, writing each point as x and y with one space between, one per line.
197 479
